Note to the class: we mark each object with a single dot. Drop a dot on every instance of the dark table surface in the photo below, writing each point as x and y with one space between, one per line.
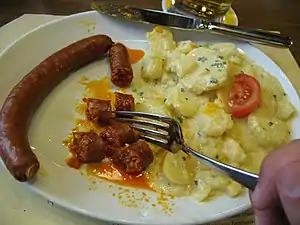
281 15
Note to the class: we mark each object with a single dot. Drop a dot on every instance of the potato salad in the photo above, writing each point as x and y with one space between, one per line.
229 108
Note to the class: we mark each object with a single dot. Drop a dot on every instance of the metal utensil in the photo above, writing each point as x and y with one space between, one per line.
166 132
194 24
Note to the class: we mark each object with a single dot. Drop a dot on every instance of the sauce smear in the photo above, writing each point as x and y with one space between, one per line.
135 55
73 162
108 171
100 89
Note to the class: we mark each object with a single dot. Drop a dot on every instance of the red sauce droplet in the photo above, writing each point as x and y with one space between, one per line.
135 55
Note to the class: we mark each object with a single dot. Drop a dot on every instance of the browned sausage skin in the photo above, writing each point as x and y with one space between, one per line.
88 147
124 102
119 134
121 70
98 111
27 95
133 158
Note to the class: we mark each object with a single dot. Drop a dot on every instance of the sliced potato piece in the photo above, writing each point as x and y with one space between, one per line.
175 168
268 132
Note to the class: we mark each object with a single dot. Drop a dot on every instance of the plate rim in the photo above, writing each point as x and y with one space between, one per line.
68 206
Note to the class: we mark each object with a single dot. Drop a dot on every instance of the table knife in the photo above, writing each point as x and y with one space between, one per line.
193 24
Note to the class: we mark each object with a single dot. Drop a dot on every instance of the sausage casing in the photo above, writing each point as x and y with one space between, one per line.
119 134
124 102
98 111
28 94
133 158
121 70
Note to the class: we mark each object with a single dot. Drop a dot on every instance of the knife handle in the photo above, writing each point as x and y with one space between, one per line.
258 36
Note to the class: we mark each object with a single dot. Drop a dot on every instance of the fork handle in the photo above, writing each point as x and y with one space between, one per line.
258 36
245 178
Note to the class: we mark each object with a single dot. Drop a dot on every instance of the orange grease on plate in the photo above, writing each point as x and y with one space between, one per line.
100 89
73 162
135 55
108 171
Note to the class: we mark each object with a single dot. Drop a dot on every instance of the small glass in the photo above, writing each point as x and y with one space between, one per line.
213 10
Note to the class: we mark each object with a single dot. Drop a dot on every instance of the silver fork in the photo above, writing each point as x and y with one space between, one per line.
166 132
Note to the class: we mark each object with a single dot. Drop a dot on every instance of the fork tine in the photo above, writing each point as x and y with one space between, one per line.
146 130
144 122
160 142
142 114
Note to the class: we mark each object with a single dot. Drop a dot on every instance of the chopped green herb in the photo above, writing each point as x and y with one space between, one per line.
202 59
271 123
165 99
218 65
220 57
242 72
186 98
183 158
179 119
142 68
134 89
284 94
196 182
182 90
141 93
214 80
199 133
275 97
207 69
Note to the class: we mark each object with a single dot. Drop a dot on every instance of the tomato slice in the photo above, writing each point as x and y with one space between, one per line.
245 96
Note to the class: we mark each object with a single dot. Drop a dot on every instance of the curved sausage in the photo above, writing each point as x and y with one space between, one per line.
121 70
124 102
28 94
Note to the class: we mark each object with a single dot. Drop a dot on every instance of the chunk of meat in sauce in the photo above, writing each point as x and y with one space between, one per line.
88 147
134 158
119 134
98 111
124 102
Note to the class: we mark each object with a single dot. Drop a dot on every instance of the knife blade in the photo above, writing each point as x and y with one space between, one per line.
195 24
146 15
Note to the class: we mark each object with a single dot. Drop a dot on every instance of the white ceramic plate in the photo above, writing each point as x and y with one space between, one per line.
54 119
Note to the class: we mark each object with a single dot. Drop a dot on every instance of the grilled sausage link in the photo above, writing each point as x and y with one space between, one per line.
28 94
121 70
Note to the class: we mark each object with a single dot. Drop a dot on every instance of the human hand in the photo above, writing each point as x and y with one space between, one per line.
276 199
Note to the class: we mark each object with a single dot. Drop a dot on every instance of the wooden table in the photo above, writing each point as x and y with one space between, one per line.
281 15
